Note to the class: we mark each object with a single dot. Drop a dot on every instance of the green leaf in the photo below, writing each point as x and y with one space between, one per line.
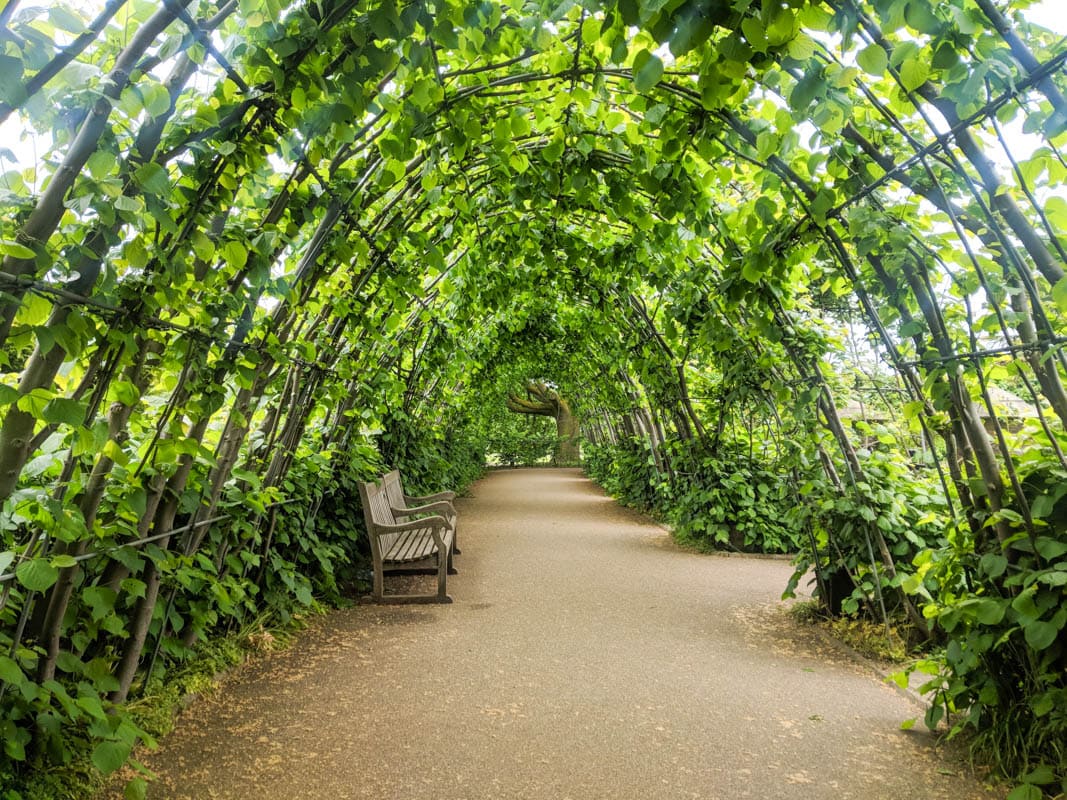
690 32
92 706
64 561
647 70
1059 294
873 60
8 395
11 88
63 411
1050 549
114 451
1025 606
553 151
1043 704
806 90
65 20
1025 791
101 599
6 559
993 564
69 663
920 18
782 26
1041 775
802 47
235 254
125 392
520 126
15 250
1040 634
990 612
37 574
133 587
914 73
136 789
945 57
153 179
109 756
10 672
754 33
132 204
752 271
101 164
1042 506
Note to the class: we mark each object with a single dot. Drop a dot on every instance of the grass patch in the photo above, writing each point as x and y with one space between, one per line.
868 638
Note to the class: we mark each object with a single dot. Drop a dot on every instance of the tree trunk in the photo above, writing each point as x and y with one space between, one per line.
566 435
543 400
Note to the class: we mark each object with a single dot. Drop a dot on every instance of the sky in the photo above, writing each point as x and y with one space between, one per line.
1051 14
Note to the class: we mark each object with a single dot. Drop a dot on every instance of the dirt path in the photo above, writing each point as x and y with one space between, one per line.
584 657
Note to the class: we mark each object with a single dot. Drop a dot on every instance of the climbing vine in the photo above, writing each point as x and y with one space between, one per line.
254 252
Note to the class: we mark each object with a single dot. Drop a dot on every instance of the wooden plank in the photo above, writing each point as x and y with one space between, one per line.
413 546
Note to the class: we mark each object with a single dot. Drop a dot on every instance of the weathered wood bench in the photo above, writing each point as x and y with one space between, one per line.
421 544
406 507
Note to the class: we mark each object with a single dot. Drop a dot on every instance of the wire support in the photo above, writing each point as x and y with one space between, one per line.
157 536
993 352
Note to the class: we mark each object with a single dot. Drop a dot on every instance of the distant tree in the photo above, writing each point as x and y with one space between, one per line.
542 399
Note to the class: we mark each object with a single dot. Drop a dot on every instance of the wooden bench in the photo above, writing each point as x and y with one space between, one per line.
406 507
422 544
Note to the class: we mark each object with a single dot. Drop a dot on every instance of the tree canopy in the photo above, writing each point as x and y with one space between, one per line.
253 251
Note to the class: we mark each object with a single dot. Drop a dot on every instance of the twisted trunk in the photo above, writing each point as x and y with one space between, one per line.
545 401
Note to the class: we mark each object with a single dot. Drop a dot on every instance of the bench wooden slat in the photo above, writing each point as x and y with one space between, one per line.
399 502
412 546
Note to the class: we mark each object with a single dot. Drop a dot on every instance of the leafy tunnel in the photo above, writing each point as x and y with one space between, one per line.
254 252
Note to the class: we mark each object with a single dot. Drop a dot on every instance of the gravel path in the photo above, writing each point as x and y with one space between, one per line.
585 656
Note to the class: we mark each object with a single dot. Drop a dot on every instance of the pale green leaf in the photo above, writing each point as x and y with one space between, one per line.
647 70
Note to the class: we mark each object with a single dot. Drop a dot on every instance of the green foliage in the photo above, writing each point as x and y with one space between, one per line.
627 471
685 209
429 461
710 501
1002 667
727 501
518 441
894 504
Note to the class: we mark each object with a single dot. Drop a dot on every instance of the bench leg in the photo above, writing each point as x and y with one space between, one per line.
379 582
443 563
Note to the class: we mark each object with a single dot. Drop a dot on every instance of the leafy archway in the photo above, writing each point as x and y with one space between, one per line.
262 246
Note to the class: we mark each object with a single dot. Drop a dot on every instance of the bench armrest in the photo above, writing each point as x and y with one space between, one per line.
429 498
442 507
413 525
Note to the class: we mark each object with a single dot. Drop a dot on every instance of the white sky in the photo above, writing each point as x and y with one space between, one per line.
27 148
1051 14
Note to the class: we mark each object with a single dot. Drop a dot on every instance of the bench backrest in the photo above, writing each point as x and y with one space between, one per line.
376 512
394 493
